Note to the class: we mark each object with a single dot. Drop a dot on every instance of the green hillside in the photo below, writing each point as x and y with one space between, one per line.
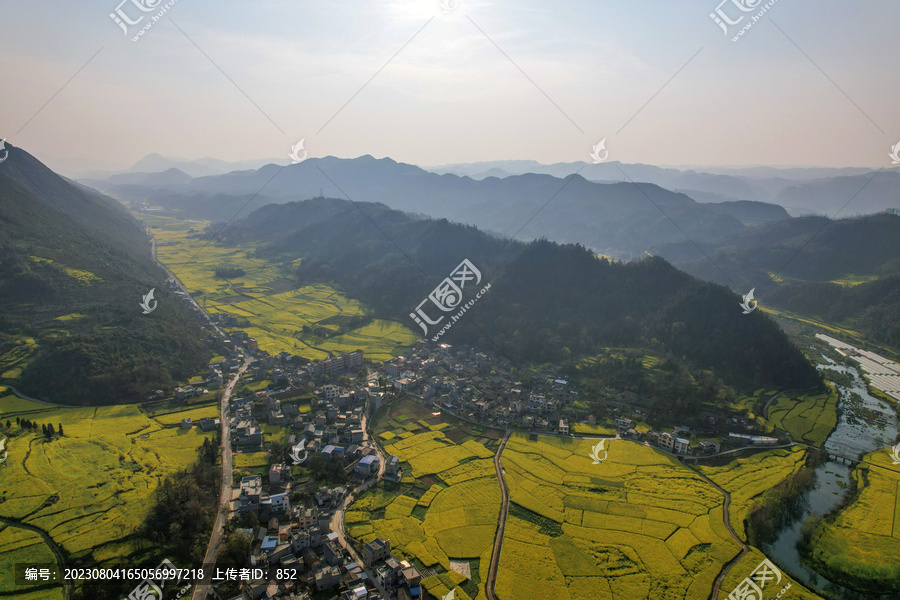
74 267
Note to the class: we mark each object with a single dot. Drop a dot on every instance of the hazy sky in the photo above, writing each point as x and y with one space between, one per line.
451 95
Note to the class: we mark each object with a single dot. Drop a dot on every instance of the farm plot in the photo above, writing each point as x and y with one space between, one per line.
89 489
271 309
748 478
807 418
858 546
747 565
20 546
454 518
638 525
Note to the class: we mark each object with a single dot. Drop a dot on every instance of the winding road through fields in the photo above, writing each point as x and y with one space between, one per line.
726 511
501 523
57 551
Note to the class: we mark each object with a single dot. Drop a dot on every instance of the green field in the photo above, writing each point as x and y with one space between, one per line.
89 490
748 478
638 525
585 429
859 546
807 418
266 300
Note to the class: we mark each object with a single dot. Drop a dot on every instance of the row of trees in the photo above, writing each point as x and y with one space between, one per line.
47 429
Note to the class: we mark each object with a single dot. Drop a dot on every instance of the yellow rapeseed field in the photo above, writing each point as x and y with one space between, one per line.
863 542
90 489
637 525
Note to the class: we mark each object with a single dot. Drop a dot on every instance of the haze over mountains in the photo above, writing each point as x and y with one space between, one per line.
615 218
732 226
597 205
86 261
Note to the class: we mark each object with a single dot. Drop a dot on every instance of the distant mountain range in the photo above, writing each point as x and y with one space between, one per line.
801 191
200 167
618 219
547 302
74 266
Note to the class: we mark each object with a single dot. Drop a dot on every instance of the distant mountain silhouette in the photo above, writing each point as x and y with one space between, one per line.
618 219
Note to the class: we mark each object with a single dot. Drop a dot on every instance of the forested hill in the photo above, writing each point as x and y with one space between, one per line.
845 272
547 301
74 266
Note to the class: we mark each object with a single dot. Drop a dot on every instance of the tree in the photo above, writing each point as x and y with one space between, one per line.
8 424
60 430
44 429
237 551
50 430
277 452
18 421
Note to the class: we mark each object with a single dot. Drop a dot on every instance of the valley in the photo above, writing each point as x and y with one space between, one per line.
449 300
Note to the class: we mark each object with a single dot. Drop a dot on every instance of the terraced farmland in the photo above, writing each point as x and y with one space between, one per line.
266 298
807 418
638 525
748 478
445 511
90 489
860 545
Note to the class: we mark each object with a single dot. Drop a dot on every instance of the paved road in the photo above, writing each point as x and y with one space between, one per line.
337 520
24 397
215 540
501 524
714 594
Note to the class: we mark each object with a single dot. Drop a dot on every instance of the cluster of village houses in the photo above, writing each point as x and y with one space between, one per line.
460 381
298 539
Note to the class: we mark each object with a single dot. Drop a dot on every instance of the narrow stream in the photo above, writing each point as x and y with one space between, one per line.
852 437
